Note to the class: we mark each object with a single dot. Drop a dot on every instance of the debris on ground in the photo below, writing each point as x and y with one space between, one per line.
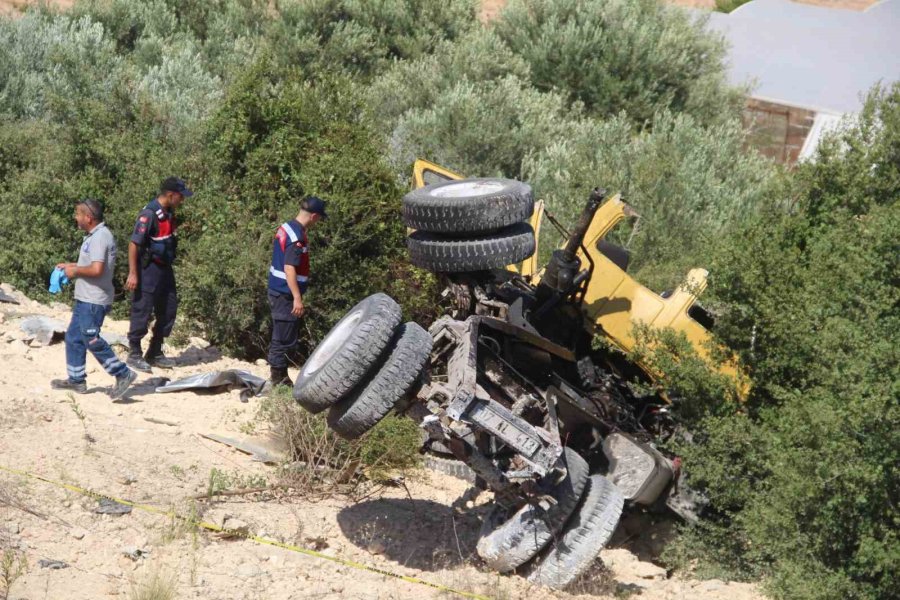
43 330
258 453
107 506
135 553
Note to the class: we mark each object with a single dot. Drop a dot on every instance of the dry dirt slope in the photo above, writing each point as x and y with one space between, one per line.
164 465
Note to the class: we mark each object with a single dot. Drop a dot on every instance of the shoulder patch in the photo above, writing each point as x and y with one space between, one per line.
144 218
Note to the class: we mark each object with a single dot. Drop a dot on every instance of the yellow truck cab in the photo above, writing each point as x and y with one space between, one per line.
614 303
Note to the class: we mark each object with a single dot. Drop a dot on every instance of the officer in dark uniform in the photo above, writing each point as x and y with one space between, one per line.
288 279
150 275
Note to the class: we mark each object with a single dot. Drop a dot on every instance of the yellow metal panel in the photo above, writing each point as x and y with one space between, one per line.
528 267
422 166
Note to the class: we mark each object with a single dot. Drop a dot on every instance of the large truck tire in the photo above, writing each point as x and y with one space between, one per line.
363 409
510 543
468 206
585 534
440 254
348 353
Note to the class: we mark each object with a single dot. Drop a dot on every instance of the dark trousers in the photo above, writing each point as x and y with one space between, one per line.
155 297
285 328
83 335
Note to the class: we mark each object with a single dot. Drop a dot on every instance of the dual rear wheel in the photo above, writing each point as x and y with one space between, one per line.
369 362
366 364
554 545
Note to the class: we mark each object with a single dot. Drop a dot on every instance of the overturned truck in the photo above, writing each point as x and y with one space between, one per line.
509 381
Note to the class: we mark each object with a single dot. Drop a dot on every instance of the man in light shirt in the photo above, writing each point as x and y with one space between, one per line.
92 274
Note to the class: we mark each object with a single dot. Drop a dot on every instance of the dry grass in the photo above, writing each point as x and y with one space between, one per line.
12 566
322 463
156 585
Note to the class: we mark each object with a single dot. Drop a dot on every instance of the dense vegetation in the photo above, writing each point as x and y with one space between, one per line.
258 103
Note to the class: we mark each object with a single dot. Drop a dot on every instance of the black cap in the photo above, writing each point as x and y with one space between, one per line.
314 205
174 184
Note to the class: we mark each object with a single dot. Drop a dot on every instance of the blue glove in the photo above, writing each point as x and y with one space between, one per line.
57 280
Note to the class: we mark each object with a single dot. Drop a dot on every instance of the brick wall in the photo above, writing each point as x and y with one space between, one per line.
776 130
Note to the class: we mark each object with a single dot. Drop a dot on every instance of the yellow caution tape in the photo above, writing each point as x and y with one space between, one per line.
234 533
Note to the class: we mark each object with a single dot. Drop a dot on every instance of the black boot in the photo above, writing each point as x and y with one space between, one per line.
136 360
155 355
279 376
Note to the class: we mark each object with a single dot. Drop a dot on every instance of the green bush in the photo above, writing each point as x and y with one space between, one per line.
363 37
805 485
482 129
275 139
46 62
479 58
632 56
691 184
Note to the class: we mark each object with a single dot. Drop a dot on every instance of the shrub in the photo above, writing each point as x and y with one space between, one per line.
47 61
697 390
805 484
364 37
632 56
691 184
275 139
481 129
479 58
391 447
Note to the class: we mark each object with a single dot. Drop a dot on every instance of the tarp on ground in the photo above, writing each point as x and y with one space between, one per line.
249 384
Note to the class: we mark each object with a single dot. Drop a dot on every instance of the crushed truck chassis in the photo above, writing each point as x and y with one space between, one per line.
510 382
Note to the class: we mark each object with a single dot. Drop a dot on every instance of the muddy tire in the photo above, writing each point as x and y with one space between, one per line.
585 534
490 251
468 206
348 353
363 409
509 543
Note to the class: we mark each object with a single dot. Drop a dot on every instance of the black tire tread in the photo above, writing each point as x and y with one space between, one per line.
521 537
477 214
360 411
585 534
349 366
492 251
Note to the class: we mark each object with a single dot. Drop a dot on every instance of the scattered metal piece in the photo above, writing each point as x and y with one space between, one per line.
114 339
43 329
162 421
111 507
259 453
135 553
46 563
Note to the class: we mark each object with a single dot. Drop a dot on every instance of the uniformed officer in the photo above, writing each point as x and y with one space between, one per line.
150 275
288 279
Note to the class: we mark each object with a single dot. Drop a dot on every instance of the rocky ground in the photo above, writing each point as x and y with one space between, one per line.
149 448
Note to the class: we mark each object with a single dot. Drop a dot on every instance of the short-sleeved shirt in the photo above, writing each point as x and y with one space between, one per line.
155 231
98 246
293 254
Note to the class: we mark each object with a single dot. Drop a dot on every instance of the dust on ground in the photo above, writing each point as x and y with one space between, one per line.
148 448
